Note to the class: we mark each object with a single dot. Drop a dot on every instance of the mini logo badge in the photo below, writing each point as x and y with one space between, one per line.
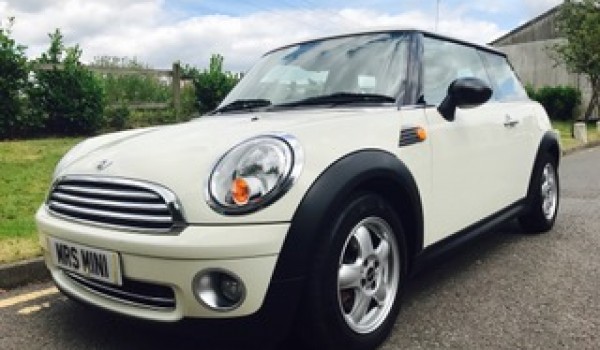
103 164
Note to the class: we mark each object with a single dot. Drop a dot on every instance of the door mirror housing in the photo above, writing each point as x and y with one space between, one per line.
464 93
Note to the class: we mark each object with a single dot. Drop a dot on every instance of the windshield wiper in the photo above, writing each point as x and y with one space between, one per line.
340 98
241 105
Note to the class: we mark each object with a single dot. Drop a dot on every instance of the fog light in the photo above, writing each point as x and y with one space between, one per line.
219 290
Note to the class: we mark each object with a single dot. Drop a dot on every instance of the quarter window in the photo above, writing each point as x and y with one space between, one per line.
507 85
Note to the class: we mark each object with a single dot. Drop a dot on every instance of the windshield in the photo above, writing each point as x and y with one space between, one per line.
373 64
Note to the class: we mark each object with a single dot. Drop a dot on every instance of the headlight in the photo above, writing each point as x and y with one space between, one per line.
254 174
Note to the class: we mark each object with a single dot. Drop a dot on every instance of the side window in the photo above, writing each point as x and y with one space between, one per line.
507 85
445 62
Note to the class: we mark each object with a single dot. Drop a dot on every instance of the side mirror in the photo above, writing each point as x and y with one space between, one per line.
464 93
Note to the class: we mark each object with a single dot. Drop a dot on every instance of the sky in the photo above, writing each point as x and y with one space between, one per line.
160 32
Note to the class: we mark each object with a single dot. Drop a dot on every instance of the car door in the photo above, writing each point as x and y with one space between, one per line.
520 145
468 153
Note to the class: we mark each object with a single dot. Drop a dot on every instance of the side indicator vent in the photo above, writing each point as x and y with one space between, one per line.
410 135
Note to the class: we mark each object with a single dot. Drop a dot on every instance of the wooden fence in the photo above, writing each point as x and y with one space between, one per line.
174 74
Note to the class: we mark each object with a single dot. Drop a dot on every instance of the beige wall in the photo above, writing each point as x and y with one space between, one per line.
535 66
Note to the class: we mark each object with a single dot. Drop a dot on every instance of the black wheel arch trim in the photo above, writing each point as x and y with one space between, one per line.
549 144
348 174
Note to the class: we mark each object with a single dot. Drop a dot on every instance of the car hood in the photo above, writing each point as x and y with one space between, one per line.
191 147
181 157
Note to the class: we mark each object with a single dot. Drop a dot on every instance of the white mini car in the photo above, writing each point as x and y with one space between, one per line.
333 169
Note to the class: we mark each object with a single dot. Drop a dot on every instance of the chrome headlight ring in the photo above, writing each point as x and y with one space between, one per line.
254 174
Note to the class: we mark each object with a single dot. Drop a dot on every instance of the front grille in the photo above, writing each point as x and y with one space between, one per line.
132 292
116 203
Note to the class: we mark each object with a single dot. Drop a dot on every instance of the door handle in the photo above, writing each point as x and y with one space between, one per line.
510 122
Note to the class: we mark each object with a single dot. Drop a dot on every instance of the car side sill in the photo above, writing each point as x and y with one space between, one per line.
439 250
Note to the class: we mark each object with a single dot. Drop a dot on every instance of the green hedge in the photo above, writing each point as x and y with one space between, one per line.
560 102
66 99
14 70
70 99
56 94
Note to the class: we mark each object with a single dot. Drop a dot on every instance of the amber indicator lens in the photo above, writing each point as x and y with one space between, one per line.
421 134
240 191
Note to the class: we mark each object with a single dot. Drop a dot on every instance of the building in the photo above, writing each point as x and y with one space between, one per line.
529 50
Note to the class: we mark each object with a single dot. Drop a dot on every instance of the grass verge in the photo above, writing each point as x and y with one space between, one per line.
25 172
569 142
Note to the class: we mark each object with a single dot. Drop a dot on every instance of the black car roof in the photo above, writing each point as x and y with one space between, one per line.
391 30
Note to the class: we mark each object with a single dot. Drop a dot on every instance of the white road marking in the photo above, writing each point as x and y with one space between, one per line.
27 297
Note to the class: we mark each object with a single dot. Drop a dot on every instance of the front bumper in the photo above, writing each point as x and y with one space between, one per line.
249 251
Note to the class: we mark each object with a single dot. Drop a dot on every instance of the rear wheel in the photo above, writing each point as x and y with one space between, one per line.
357 279
543 197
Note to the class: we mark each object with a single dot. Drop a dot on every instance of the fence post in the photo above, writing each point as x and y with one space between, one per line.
580 132
176 84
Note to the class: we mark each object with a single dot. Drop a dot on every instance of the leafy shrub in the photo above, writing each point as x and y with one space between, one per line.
212 84
530 89
137 87
130 82
150 117
67 96
117 117
189 103
14 71
560 102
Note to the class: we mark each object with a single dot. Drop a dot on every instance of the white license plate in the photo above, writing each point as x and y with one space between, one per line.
98 264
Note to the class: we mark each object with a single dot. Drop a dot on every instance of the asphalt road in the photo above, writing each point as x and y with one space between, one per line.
507 290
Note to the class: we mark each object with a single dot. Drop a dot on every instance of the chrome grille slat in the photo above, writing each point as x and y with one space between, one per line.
116 203
106 192
108 214
108 203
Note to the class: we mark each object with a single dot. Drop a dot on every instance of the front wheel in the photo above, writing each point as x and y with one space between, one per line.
543 197
357 279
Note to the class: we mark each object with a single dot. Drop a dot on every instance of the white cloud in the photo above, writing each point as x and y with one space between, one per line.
79 21
452 23
146 30
31 6
537 7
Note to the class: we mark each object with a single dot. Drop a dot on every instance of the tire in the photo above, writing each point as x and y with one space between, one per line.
356 282
543 198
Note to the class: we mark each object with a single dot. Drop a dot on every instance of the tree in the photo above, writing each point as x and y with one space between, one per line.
211 85
579 22
67 95
14 72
